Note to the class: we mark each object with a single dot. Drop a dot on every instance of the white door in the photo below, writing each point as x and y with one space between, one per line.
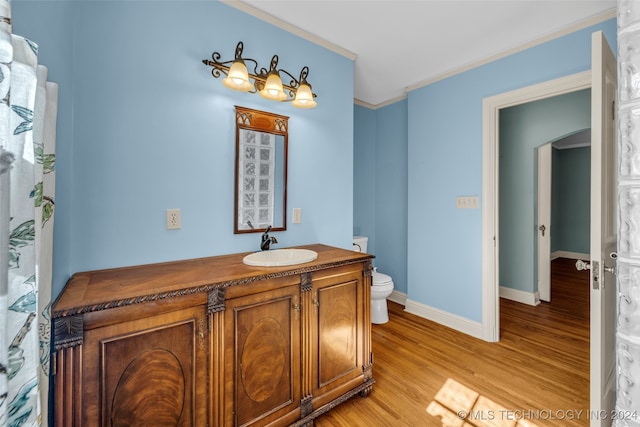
603 228
544 222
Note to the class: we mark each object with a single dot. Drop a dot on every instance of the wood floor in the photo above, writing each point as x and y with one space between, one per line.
537 375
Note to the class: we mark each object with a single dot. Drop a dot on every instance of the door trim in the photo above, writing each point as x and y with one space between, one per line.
491 107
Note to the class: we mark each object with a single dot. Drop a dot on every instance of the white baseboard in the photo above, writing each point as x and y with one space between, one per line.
450 320
570 255
530 298
398 297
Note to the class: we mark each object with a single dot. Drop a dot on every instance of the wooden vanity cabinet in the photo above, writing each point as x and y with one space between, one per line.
213 342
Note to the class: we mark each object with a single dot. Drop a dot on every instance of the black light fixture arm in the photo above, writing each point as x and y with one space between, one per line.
259 77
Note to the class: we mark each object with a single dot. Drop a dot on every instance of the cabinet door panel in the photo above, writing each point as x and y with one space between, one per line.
149 369
265 332
338 334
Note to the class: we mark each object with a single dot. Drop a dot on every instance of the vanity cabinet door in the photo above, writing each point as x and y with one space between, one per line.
262 360
147 372
337 334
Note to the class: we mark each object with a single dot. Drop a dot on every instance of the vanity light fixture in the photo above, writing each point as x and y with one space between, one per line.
267 83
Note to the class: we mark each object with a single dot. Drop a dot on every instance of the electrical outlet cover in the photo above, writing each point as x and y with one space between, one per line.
173 219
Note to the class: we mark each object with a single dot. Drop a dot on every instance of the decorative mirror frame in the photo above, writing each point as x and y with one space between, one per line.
263 191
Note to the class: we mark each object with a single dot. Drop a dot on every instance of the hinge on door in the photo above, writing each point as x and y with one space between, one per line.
595 271
613 110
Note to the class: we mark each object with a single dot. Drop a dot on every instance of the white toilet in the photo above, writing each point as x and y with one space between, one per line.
381 288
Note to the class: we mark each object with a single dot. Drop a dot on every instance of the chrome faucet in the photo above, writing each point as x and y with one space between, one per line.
267 240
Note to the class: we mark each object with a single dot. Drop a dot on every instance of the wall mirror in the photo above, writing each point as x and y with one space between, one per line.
261 171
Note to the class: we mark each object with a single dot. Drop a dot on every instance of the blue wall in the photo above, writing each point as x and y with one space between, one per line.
364 174
571 200
143 127
445 161
523 128
380 187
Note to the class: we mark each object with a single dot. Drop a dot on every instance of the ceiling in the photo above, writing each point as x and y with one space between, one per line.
399 45
581 138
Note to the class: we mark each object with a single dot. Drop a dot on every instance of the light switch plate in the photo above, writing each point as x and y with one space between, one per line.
297 215
467 202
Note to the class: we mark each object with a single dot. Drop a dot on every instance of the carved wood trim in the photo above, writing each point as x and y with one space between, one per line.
306 405
216 369
215 300
367 370
205 288
68 386
364 388
306 340
305 282
68 331
262 120
368 268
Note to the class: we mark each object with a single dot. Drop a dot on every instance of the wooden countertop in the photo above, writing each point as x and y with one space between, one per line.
97 290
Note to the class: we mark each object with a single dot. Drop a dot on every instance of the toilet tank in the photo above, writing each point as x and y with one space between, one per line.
360 243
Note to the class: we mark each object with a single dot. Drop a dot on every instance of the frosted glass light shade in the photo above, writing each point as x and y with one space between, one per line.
273 88
238 78
304 97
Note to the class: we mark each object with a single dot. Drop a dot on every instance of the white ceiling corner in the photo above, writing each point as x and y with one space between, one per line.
400 45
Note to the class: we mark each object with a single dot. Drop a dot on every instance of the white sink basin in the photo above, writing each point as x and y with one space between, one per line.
280 257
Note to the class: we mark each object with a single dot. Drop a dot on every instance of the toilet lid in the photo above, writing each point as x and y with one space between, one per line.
380 279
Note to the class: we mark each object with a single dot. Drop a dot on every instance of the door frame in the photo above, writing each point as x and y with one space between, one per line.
491 107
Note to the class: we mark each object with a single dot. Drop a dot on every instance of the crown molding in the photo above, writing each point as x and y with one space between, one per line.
264 16
364 104
380 105
596 19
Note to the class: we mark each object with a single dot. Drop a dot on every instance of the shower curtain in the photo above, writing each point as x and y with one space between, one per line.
28 111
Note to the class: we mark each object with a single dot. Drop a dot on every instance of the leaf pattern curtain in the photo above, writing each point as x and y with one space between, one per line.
28 111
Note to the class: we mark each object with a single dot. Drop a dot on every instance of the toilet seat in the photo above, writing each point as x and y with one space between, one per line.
380 279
